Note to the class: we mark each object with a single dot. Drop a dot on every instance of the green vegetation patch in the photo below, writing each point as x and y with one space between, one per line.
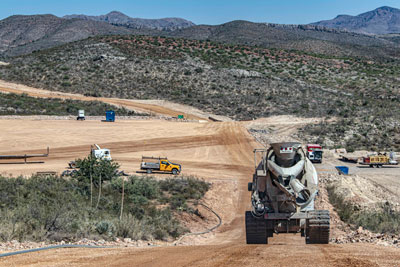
88 205
373 133
16 104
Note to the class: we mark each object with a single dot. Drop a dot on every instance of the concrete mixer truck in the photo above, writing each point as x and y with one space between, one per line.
284 187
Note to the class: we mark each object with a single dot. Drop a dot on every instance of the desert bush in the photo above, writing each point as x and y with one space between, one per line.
39 207
97 170
15 104
54 208
188 188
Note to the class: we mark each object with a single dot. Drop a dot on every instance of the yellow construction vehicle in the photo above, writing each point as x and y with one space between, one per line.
379 160
150 164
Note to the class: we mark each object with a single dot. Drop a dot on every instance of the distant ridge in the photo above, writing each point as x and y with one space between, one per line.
310 38
25 34
120 19
21 34
383 20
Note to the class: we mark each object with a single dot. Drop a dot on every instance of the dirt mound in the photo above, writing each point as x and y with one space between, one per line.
364 195
361 191
277 128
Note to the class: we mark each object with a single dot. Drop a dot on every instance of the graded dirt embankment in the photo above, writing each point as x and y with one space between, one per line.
219 152
216 150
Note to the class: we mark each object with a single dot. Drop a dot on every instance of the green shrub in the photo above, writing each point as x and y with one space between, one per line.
105 227
15 104
54 208
96 169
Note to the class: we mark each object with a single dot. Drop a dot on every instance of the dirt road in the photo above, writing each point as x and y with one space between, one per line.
215 151
282 251
206 149
141 105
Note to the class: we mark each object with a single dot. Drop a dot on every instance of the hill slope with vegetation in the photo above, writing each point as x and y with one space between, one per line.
13 104
104 206
243 82
310 38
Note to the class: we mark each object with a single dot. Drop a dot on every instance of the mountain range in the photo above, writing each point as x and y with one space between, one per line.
24 34
310 38
120 19
343 36
383 20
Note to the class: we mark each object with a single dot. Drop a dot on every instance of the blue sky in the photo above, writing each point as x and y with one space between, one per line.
202 11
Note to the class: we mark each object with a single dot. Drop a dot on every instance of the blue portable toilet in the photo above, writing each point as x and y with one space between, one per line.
110 115
343 170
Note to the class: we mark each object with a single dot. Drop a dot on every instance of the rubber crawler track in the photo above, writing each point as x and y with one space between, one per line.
318 227
256 230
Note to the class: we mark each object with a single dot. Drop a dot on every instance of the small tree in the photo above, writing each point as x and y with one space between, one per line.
96 172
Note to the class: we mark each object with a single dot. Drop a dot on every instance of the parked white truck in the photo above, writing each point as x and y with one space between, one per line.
81 115
100 153
97 152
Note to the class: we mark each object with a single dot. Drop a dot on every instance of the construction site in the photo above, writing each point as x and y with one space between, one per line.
221 152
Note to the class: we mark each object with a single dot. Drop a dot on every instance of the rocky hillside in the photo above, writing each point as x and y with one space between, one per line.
243 82
310 38
24 34
382 20
120 19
